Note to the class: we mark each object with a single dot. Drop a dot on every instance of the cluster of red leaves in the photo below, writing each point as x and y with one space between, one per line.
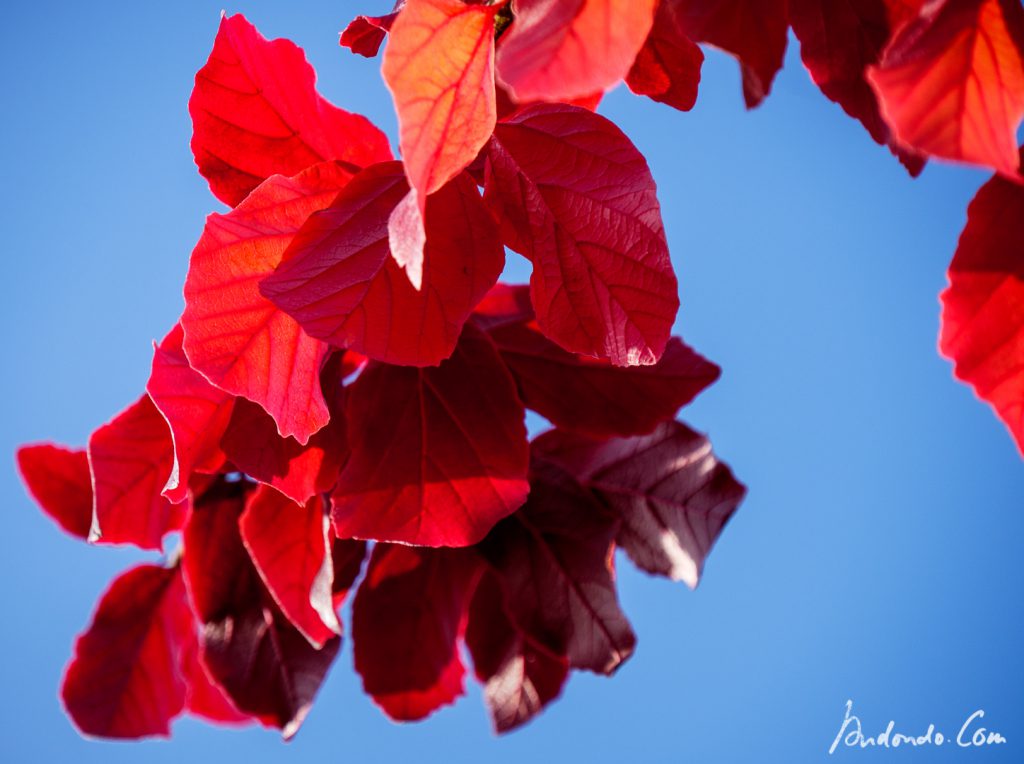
348 370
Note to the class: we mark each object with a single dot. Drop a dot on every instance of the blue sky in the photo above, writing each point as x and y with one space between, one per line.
878 555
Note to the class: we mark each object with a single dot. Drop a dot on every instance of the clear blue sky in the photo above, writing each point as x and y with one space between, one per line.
878 557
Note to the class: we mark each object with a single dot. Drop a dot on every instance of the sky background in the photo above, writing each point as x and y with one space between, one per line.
877 558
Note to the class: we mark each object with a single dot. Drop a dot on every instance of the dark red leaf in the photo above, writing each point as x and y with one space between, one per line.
577 198
365 34
347 559
234 336
339 281
439 66
560 50
754 31
442 452
671 493
288 543
197 413
125 680
58 479
204 698
593 397
504 304
265 665
256 113
554 561
951 83
838 41
132 459
667 68
299 472
406 621
519 678
983 308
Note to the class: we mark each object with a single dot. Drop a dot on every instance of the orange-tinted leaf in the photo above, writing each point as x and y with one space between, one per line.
441 453
951 83
339 281
256 113
576 197
667 68
132 458
58 479
197 413
439 65
754 31
126 680
670 492
560 50
983 308
406 622
234 336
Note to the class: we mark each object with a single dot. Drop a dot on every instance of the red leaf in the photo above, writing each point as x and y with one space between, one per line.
439 66
365 34
196 412
299 472
406 621
442 452
754 31
256 113
234 336
667 68
132 458
504 304
577 198
58 479
125 680
951 83
671 493
340 282
838 41
519 678
559 50
347 559
554 561
204 698
265 665
983 308
593 397
288 544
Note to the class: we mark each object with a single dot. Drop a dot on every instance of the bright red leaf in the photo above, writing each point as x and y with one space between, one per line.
446 117
125 680
838 41
197 413
340 282
442 452
132 459
577 198
58 479
983 308
560 50
672 494
263 663
288 543
667 68
256 113
754 31
234 336
406 622
554 561
519 677
591 396
951 83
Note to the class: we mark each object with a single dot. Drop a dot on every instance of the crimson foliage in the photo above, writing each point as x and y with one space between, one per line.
348 371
